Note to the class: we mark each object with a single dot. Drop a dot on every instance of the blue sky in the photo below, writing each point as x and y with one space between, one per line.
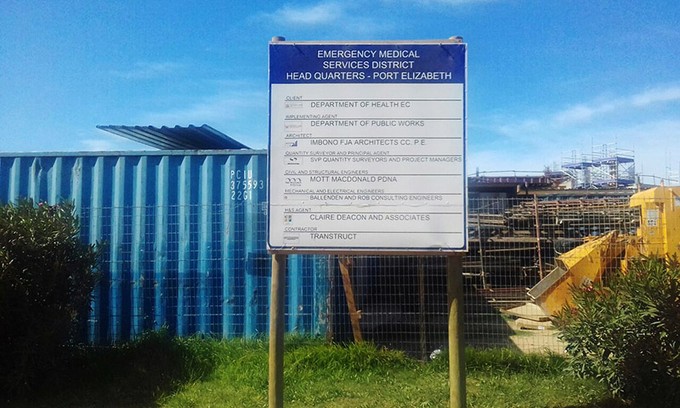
546 79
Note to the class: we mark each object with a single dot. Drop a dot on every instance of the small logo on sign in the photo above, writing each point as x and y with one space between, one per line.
294 181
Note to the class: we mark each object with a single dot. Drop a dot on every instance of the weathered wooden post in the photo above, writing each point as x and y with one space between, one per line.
454 290
276 330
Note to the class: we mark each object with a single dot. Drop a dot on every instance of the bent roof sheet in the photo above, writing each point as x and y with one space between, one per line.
178 138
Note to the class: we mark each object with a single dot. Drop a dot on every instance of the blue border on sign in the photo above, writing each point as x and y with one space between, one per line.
300 63
291 63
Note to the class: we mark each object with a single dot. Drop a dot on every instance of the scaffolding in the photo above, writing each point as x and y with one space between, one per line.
607 166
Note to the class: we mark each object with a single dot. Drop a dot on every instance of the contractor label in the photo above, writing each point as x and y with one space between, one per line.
367 147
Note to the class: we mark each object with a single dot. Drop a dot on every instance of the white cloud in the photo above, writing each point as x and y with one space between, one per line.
588 111
583 113
658 95
347 19
491 161
97 145
643 122
147 70
650 140
315 15
215 108
454 2
446 3
593 113
230 110
106 141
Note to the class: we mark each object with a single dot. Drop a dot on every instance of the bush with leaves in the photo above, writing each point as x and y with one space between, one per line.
627 333
46 278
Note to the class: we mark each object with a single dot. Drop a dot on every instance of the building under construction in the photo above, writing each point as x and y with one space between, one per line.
517 226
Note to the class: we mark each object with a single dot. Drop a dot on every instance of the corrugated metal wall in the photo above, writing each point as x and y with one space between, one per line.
183 237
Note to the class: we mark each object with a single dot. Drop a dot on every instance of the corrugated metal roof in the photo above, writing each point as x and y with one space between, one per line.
177 138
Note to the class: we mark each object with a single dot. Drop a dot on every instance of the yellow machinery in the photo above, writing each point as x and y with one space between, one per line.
658 234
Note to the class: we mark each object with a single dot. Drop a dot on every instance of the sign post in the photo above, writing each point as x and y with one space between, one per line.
367 151
454 291
276 330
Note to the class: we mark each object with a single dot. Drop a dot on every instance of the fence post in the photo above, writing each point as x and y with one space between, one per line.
422 315
354 313
537 221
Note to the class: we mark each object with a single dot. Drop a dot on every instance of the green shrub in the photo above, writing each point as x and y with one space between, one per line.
627 334
46 278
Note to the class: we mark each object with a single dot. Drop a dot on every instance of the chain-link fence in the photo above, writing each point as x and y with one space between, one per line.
205 269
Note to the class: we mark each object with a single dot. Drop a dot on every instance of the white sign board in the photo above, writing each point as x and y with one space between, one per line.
367 147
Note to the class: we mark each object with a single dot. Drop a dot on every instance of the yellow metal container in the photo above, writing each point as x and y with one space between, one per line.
659 232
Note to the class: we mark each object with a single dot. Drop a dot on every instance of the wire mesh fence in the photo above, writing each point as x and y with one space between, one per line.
514 246
193 269
205 269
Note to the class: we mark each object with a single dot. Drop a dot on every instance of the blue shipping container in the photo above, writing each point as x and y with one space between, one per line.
183 236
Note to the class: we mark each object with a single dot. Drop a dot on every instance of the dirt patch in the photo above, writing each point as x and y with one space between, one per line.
538 341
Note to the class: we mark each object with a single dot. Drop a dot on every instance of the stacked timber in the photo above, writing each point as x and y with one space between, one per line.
573 218
518 246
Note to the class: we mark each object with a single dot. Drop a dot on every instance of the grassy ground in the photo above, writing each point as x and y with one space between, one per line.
168 372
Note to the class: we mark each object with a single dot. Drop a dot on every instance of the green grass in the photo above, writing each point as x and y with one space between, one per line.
159 370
